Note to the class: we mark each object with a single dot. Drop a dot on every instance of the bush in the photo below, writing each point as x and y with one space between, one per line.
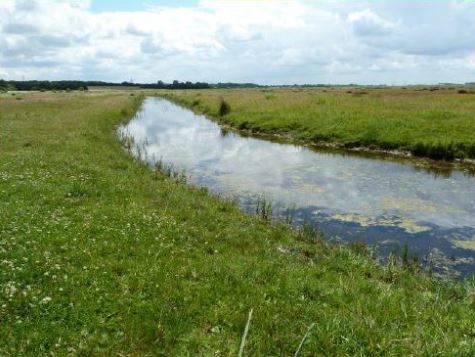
224 108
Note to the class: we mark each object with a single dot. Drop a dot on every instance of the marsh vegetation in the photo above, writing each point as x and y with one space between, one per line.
428 122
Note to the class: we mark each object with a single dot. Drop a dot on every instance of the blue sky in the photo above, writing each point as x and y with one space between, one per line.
136 5
261 41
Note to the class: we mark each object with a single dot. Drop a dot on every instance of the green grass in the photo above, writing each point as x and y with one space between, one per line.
99 255
437 124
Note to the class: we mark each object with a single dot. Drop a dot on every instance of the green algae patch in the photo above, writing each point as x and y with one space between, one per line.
408 225
411 205
465 244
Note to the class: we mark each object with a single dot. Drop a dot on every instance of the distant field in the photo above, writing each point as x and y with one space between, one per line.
102 256
429 122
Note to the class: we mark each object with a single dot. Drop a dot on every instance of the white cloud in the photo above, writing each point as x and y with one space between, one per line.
259 41
367 23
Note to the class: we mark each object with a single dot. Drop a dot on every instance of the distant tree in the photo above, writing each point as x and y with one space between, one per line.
84 85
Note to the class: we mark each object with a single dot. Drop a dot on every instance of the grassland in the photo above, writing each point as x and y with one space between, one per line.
99 255
439 124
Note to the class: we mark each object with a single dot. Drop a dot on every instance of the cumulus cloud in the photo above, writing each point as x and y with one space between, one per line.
367 23
267 42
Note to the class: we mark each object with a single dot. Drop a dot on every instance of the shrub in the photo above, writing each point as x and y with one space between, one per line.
224 108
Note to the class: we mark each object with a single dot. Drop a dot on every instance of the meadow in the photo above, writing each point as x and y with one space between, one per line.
437 123
101 255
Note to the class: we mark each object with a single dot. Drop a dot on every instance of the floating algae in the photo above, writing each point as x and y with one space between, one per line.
413 204
465 244
408 225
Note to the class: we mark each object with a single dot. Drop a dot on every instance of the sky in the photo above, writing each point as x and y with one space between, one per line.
136 5
266 42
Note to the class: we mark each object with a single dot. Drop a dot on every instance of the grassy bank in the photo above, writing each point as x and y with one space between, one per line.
438 124
101 256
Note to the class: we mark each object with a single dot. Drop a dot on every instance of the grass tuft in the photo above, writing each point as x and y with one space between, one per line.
264 208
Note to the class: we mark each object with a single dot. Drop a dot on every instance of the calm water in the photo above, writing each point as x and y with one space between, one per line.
384 203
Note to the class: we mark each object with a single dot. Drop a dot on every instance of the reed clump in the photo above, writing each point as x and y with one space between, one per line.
224 108
264 208
170 171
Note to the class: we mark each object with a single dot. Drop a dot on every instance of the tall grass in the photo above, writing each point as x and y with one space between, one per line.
170 171
264 208
438 124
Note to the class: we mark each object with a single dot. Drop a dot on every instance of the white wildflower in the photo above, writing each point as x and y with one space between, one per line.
45 300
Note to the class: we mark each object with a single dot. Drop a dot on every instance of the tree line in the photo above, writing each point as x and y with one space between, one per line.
43 85
85 85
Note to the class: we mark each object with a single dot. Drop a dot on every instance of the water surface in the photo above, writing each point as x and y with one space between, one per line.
384 203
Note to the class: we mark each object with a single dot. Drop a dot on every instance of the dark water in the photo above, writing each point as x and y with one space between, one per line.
385 203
